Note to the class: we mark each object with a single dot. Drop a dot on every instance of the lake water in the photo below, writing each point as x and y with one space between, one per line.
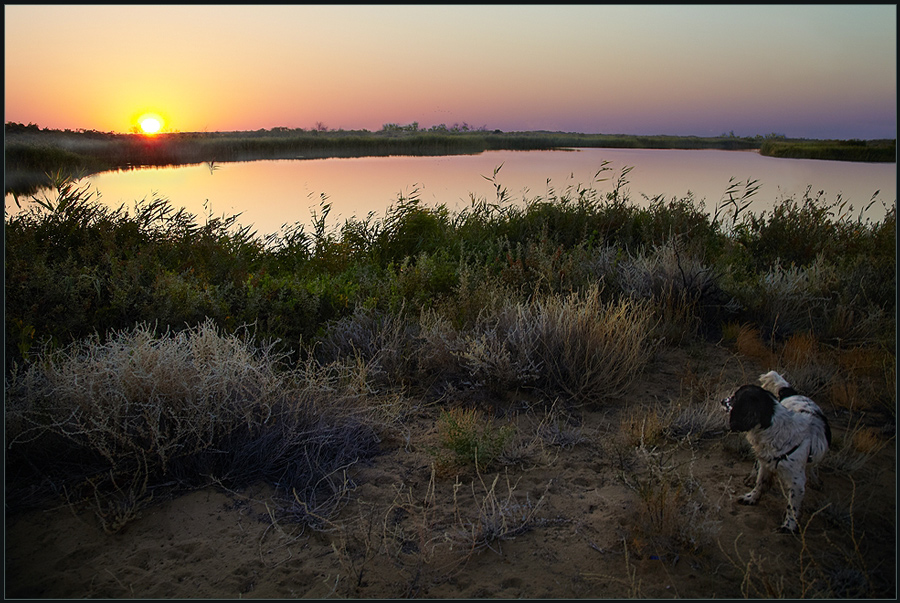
271 193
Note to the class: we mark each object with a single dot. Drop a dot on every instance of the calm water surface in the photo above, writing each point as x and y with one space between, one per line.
269 194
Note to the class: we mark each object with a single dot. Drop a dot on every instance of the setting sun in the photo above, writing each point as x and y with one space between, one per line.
150 124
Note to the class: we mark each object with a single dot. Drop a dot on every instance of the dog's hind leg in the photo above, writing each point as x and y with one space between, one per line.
793 478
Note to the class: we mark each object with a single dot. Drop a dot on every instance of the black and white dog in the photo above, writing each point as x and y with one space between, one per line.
786 430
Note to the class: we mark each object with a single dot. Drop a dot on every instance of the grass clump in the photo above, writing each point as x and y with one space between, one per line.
468 438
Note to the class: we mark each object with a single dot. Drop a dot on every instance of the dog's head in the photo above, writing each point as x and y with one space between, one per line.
750 406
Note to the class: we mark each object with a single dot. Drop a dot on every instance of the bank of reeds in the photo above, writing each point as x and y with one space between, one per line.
835 150
29 148
75 266
30 152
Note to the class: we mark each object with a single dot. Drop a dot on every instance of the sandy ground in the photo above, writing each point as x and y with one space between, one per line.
592 514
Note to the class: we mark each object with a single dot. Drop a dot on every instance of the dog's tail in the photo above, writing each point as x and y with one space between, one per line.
777 385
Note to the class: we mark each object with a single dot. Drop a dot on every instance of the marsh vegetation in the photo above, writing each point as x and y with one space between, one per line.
155 352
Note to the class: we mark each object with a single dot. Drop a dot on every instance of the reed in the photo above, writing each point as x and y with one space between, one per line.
834 150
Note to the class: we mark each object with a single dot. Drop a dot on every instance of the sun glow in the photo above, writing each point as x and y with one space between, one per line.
150 123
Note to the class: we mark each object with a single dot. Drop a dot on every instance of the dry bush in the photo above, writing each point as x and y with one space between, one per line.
750 344
496 517
502 351
140 395
849 323
692 421
684 290
140 410
865 361
796 298
852 450
590 351
643 428
805 366
799 349
558 429
867 441
574 346
870 382
845 394
673 514
385 342
440 351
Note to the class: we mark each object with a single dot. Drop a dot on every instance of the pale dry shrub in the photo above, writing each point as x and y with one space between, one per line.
853 449
495 518
602 263
590 350
141 395
684 290
502 351
796 298
187 408
852 322
662 268
575 346
692 421
440 350
557 428
385 342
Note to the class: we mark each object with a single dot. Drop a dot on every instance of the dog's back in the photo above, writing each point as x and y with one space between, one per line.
807 412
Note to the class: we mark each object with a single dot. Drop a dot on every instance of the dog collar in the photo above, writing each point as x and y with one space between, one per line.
786 454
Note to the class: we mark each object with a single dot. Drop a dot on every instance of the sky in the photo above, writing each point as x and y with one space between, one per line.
808 71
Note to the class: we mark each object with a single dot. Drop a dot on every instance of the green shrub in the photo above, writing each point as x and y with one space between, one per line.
470 438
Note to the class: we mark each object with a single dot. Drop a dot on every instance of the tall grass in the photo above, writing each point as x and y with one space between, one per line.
75 266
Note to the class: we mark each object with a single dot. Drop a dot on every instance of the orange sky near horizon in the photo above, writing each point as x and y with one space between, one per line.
825 71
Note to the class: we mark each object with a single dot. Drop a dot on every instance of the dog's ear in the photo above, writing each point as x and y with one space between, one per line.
787 392
751 406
